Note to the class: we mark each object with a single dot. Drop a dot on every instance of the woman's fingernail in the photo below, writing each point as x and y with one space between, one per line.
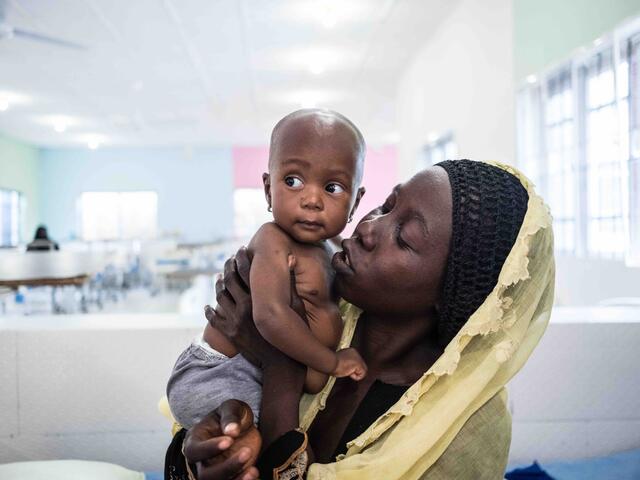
226 443
244 455
231 428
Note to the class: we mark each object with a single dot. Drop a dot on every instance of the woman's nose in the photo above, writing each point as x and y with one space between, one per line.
365 233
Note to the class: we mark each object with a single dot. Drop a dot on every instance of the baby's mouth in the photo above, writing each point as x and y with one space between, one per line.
309 224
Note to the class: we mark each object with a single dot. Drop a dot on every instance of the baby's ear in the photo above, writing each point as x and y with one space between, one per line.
266 182
359 194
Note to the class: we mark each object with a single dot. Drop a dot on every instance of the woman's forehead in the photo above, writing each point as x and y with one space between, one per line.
430 191
433 180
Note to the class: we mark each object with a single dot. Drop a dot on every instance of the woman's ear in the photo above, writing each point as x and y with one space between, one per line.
266 182
361 192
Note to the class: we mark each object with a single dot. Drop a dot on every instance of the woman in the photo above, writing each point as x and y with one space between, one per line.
41 241
454 277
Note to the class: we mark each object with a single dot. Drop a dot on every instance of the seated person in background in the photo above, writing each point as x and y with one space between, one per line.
313 186
41 241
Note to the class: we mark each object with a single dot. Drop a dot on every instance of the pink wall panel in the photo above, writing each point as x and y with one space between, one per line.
249 163
380 176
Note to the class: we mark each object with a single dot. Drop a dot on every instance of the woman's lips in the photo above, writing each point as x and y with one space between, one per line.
342 263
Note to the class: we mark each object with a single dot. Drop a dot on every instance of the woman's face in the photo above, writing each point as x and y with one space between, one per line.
395 261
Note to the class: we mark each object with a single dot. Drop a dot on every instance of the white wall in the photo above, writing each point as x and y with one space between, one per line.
86 387
194 186
578 396
581 281
462 81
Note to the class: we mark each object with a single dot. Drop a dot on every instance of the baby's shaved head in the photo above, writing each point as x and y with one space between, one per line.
323 123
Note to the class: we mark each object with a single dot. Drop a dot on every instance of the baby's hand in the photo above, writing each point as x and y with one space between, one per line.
350 364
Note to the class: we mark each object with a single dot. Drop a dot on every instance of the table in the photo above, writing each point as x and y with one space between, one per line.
52 268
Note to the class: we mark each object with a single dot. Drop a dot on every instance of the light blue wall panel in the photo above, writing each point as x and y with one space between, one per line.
194 186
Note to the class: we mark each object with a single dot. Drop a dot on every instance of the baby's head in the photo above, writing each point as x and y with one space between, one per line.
316 158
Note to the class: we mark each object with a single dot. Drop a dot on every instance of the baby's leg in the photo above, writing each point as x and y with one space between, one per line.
216 340
202 379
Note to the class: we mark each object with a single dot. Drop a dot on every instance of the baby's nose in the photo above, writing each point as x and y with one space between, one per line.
312 200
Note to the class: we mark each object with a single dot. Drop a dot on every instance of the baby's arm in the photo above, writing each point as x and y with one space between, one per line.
271 295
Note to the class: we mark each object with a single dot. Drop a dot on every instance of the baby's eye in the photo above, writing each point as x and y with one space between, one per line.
334 188
293 182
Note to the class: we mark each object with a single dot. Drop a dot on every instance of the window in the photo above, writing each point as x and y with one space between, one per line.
579 141
443 148
603 168
118 215
250 211
10 212
633 148
559 176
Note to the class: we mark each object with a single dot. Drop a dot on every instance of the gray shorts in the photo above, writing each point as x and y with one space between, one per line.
203 378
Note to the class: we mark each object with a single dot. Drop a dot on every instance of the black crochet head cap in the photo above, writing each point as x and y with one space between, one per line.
489 205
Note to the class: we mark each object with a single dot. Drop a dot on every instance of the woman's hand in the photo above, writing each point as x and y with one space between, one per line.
225 444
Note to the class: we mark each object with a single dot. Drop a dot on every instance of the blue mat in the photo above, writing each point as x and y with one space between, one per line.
620 466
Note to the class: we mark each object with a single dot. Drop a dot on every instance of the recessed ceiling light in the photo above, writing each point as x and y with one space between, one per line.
329 20
316 68
93 144
4 104
329 12
532 79
60 125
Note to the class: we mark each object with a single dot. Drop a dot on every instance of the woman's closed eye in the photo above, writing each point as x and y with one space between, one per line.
293 181
399 240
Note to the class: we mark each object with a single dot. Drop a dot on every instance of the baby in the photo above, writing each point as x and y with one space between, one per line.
313 188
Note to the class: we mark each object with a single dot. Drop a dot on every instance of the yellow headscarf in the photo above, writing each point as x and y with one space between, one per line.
486 353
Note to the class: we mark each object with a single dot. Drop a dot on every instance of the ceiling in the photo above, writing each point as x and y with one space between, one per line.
204 72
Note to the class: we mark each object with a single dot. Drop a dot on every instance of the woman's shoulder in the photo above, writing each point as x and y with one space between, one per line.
481 447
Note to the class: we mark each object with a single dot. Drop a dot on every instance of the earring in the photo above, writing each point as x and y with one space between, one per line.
269 209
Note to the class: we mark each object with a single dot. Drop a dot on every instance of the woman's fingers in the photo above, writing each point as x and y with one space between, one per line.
250 473
233 285
229 468
199 450
243 266
235 417
215 317
219 283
